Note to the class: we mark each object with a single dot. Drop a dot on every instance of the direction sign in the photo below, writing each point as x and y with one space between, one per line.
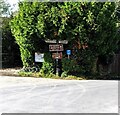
57 55
50 41
63 41
68 52
56 47
55 41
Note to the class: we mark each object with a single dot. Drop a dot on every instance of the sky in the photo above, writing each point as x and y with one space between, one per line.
13 3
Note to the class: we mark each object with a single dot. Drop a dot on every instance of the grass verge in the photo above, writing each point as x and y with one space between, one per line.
53 76
69 77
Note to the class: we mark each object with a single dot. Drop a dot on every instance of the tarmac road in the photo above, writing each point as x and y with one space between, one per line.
39 95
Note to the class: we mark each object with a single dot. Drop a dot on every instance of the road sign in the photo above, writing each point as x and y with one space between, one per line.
57 55
50 41
56 47
39 57
63 41
68 52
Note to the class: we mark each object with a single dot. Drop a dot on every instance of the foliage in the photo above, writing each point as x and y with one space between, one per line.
71 77
64 74
85 61
48 57
7 39
117 12
81 62
29 74
34 68
118 9
90 28
22 27
10 50
69 65
53 76
47 67
25 74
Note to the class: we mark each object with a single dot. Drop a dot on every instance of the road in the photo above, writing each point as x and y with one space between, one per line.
39 95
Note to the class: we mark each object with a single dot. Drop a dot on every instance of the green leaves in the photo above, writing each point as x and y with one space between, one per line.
80 23
23 28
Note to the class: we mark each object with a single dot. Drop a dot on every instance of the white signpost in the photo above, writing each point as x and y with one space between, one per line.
50 41
63 41
55 41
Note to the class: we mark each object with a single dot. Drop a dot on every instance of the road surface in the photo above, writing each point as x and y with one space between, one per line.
39 95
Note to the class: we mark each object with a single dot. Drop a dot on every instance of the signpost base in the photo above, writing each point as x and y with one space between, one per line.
58 67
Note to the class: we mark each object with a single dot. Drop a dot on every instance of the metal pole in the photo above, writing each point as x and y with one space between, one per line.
57 69
68 56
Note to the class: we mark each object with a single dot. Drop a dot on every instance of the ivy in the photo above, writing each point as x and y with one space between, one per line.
83 24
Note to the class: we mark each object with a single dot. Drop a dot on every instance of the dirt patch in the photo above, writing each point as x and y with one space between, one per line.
10 71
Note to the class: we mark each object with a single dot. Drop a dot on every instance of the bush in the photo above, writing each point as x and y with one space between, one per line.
27 54
71 77
37 21
34 68
64 74
47 67
71 66
25 74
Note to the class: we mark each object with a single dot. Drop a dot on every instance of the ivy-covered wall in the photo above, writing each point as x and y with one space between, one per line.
89 27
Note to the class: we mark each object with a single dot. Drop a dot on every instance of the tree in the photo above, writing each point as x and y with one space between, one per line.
118 23
10 50
89 27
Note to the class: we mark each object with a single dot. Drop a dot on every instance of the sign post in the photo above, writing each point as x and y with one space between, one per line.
57 55
56 46
57 67
68 53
